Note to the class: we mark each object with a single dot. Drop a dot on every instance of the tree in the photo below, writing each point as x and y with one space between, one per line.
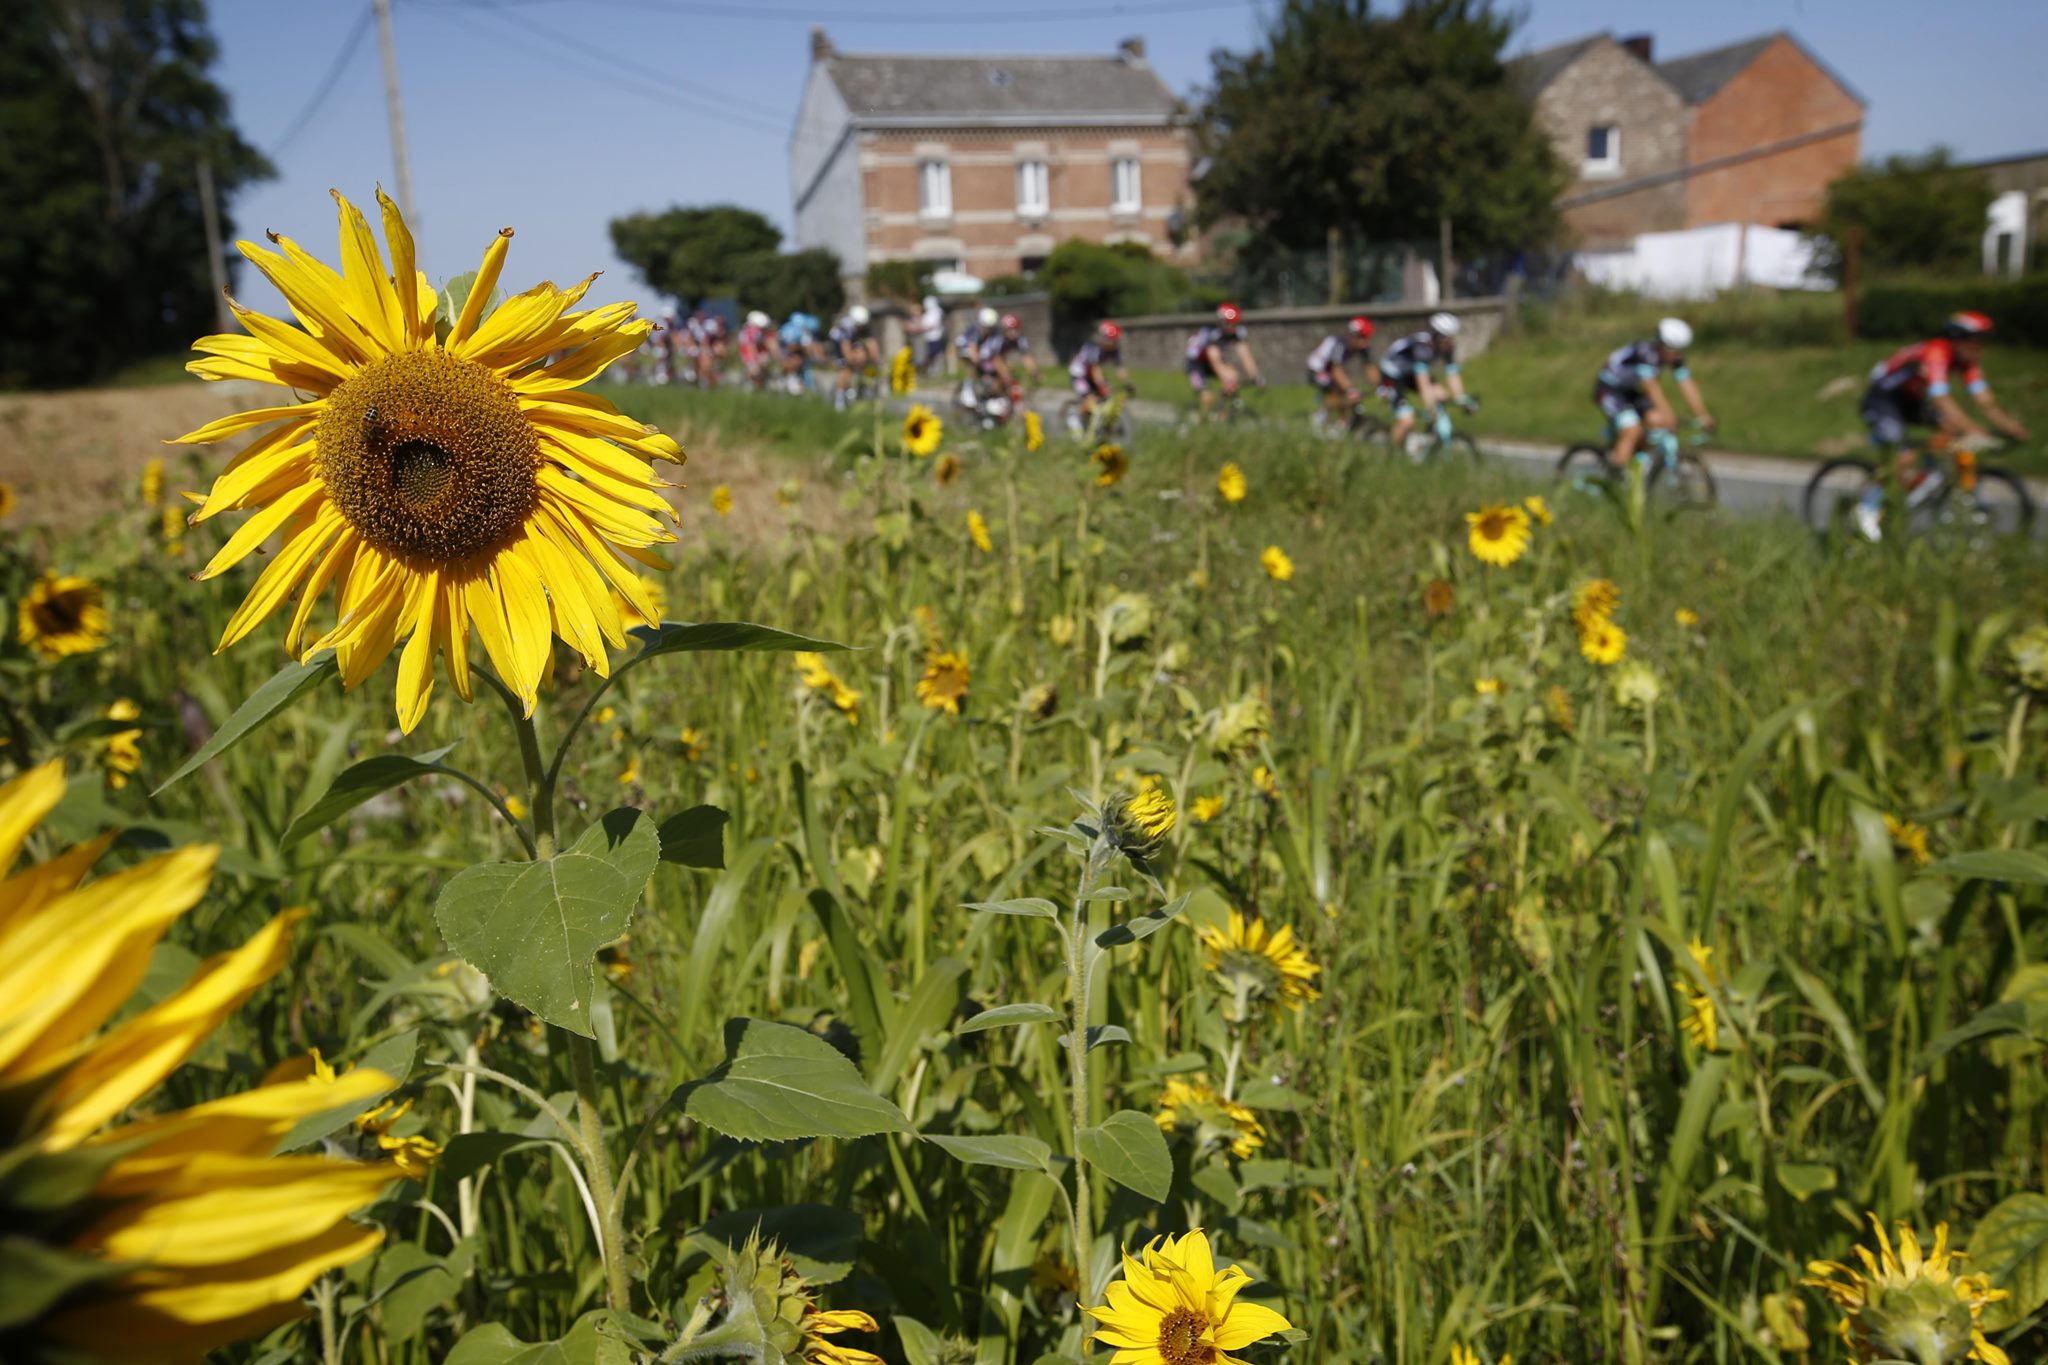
1914 212
691 254
106 112
1087 282
1357 126
908 281
780 283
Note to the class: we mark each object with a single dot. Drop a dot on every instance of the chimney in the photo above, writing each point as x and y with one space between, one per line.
821 45
1131 50
1642 44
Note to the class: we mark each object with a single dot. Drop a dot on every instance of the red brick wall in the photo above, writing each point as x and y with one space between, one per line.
985 227
1781 95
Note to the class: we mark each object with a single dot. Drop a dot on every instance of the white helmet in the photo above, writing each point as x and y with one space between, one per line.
858 314
1675 333
1444 324
988 317
757 318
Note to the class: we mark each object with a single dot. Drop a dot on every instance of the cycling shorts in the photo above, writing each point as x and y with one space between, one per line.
1395 386
1623 408
1323 380
1084 387
1200 372
1891 417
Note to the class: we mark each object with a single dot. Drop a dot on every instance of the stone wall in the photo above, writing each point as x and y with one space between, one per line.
1608 85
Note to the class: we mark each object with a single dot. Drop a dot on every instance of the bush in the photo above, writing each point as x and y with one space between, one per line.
1087 281
1915 308
1913 211
1751 317
907 281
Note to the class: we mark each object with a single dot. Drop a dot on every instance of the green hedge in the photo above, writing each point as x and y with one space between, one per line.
1905 309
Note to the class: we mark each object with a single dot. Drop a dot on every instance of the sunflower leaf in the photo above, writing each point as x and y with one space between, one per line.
779 1083
1003 1016
1141 926
1129 1148
286 686
693 637
587 1343
695 838
1017 1152
357 784
534 928
2011 1246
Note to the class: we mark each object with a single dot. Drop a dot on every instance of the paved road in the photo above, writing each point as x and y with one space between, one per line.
1750 484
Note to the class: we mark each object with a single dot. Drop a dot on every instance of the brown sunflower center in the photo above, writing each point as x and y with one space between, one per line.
1180 1339
429 456
1494 525
59 614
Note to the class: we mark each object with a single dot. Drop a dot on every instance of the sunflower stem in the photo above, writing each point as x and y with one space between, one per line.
598 1166
1077 1061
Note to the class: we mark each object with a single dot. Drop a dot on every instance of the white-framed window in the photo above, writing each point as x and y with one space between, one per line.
1126 191
1034 195
934 189
1603 150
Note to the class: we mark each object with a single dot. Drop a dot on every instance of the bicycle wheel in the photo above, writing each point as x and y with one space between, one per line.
1996 507
1686 481
1366 429
1834 492
1585 468
1460 449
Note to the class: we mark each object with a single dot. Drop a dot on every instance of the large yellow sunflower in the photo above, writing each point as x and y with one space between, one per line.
1904 1304
1172 1307
188 1233
1498 535
922 430
61 614
437 482
1266 966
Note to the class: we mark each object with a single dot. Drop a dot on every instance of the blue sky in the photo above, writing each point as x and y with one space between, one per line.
553 116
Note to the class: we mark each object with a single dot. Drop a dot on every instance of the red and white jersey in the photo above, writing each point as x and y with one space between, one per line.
1923 370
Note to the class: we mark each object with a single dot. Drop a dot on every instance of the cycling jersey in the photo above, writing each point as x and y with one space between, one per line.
1629 367
1922 371
753 343
800 330
848 335
1415 353
1215 335
1331 352
995 346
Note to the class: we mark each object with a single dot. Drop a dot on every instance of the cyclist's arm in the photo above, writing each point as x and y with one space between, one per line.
1454 379
1031 364
1426 388
1695 400
1000 368
1343 382
1219 366
1251 362
1953 419
1123 375
1660 406
2012 426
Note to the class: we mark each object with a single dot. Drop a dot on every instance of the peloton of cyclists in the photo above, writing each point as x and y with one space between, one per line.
855 349
1209 357
1409 367
1086 369
1914 387
1630 394
1326 368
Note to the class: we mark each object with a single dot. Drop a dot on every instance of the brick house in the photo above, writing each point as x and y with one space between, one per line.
1748 133
983 164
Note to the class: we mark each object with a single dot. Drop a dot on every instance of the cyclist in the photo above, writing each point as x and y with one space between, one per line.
1326 368
1630 396
759 350
930 328
994 355
967 349
799 339
1409 366
855 348
1100 351
711 339
1208 356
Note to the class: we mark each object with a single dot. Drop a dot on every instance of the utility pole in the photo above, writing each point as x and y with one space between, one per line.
216 268
1447 289
395 109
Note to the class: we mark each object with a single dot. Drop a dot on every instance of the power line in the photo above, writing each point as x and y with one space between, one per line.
849 17
326 86
719 98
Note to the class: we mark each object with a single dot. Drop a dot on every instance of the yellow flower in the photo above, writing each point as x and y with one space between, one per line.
693 741
1486 687
1052 1273
61 614
946 469
1205 808
922 431
1908 838
1702 1021
7 500
1110 464
123 753
1558 704
1139 820
193 1235
1264 967
1197 1106
517 806
977 531
1594 601
629 612
1603 642
414 1156
170 525
631 773
1230 483
1040 701
1498 534
821 1323
1538 509
721 500
819 677
1172 1307
944 684
902 371
1265 783
436 484
1903 1305
1462 1354
1438 598
1686 617
1277 565
787 493
153 482
1034 431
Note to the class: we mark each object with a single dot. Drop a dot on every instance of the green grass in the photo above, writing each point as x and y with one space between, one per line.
1490 1127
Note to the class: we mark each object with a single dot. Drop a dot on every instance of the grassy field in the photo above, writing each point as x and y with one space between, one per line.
1636 984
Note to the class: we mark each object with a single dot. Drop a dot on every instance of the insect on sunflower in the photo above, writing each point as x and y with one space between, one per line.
438 480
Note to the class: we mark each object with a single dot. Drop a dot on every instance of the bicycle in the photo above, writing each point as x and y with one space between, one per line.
1951 492
1358 424
1107 423
1672 462
1437 439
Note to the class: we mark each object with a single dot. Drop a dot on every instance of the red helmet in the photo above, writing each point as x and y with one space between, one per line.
1230 313
1011 324
1362 328
1110 331
1965 325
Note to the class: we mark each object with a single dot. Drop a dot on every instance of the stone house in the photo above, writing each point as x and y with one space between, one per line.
1748 133
983 164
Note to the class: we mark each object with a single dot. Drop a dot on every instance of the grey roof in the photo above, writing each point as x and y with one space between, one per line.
966 89
1697 77
1532 72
